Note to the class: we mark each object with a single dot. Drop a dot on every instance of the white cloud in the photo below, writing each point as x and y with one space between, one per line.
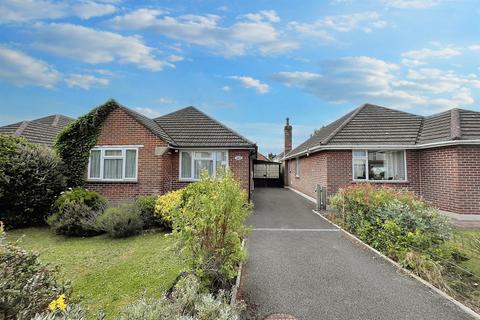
164 100
254 32
411 4
270 15
418 57
31 10
21 69
175 58
475 47
226 88
85 81
249 82
94 46
89 9
364 79
151 113
363 21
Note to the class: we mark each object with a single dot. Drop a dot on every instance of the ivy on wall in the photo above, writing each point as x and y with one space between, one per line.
76 140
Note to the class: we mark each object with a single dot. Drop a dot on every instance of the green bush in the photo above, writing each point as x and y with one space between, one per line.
121 221
210 226
76 212
168 205
146 205
30 179
186 302
26 286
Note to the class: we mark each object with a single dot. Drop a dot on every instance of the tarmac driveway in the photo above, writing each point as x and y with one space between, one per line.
300 264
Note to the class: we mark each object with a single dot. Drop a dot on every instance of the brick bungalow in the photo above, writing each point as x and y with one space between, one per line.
136 155
437 157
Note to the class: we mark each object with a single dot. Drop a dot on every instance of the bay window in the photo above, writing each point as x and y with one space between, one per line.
194 162
113 164
379 165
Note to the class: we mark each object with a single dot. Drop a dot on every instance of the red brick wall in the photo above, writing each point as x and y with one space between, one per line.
313 170
121 129
156 174
450 178
447 177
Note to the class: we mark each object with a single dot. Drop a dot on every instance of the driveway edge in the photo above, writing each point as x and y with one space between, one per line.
233 299
404 270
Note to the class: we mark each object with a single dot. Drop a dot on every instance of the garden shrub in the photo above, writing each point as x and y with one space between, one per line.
30 179
146 205
76 212
27 286
121 221
69 313
186 302
210 226
167 206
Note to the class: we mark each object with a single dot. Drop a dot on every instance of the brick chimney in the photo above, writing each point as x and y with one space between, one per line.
288 137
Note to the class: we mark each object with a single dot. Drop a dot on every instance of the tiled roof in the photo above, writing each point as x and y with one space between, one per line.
376 125
189 127
43 130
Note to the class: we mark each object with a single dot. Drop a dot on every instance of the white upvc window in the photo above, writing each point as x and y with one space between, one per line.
379 165
297 167
116 163
194 162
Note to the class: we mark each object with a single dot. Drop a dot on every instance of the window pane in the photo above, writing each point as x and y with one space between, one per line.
359 154
386 165
203 154
112 168
202 165
221 158
297 167
186 165
130 163
113 153
95 163
359 169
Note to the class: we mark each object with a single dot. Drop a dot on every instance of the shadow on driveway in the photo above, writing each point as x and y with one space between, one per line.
298 264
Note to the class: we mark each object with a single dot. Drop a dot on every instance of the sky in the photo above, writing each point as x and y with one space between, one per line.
249 64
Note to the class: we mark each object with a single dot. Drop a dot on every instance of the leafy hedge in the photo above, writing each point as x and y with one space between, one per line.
409 231
78 138
31 177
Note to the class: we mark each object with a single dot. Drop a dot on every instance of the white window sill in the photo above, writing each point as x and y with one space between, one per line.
381 181
188 180
113 180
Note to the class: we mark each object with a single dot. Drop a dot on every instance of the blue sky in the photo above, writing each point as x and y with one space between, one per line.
250 64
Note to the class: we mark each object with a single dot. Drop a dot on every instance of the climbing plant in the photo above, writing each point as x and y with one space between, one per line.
74 143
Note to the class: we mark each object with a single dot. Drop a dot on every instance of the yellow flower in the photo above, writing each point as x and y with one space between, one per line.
53 305
61 305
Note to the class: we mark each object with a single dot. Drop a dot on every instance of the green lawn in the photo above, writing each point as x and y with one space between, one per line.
106 273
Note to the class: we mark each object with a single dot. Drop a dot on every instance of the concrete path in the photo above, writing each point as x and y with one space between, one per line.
301 265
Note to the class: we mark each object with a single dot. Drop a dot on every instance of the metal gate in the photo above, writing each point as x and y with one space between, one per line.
267 174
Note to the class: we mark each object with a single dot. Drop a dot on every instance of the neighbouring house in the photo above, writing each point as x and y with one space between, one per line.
261 157
135 155
42 131
437 157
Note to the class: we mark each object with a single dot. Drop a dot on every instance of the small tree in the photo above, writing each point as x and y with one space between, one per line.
211 227
30 179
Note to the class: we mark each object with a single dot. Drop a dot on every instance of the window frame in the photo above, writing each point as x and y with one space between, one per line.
123 157
297 167
367 173
192 162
